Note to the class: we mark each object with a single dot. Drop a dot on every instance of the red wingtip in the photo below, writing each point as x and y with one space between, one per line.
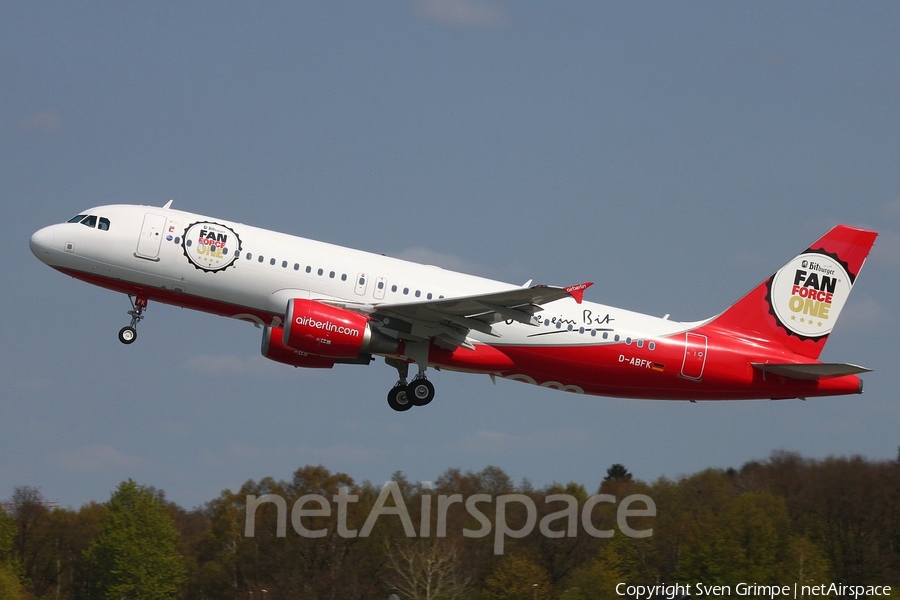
577 291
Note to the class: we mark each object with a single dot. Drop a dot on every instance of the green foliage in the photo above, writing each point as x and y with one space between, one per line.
782 520
135 555
514 577
10 587
7 535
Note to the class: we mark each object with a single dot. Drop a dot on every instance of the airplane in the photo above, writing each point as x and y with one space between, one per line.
320 304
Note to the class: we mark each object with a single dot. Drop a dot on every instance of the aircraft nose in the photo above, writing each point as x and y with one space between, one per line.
41 243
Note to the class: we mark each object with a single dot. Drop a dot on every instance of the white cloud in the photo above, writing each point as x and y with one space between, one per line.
485 441
462 13
338 454
45 121
862 313
221 364
892 209
887 247
32 385
95 458
450 262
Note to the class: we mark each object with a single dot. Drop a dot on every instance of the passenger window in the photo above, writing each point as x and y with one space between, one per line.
320 272
76 219
284 264
249 255
380 285
296 266
331 275
393 288
309 269
272 261
90 221
261 258
104 224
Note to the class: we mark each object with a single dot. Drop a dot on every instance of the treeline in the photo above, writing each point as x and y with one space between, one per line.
781 521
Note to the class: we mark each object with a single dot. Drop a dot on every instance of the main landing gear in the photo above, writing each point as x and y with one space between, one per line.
403 395
128 334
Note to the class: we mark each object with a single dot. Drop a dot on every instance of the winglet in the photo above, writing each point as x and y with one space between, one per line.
577 291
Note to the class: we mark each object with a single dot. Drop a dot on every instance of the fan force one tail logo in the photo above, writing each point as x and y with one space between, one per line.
808 294
210 246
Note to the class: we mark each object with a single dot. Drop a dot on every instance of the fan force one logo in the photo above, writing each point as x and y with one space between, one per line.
210 246
809 293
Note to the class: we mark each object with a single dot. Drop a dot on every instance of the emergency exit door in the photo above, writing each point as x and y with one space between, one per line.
695 350
151 236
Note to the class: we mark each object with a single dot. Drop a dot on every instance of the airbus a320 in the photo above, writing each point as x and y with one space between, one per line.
320 305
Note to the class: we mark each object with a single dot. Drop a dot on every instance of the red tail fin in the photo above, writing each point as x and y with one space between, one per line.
798 306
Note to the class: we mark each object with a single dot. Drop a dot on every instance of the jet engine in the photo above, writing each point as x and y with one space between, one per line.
274 349
329 331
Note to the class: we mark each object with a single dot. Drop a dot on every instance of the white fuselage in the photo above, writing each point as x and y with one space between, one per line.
275 267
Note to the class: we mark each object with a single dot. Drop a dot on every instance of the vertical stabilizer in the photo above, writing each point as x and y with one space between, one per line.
799 305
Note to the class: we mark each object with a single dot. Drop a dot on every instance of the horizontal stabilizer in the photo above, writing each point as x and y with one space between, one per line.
810 371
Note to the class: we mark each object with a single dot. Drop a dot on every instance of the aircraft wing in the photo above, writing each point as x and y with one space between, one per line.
449 320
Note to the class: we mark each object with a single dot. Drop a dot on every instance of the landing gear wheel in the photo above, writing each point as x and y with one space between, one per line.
127 335
399 399
420 392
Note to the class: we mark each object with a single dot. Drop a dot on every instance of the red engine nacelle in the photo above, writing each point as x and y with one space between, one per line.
274 349
329 331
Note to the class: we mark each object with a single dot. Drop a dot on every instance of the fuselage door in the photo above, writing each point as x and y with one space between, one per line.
151 236
695 349
380 287
361 282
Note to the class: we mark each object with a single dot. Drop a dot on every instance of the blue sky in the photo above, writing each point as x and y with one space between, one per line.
675 154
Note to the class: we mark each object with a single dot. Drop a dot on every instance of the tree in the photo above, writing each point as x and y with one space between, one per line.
617 471
10 587
136 554
514 577
425 570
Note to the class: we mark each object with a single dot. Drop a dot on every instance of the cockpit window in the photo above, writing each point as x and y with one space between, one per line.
76 219
90 221
104 224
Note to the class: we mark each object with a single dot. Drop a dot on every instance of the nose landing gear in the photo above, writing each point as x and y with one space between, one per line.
127 335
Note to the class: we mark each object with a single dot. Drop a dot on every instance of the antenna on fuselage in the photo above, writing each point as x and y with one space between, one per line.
169 204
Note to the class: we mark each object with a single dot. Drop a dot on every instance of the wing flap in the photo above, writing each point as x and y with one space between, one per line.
477 312
810 371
